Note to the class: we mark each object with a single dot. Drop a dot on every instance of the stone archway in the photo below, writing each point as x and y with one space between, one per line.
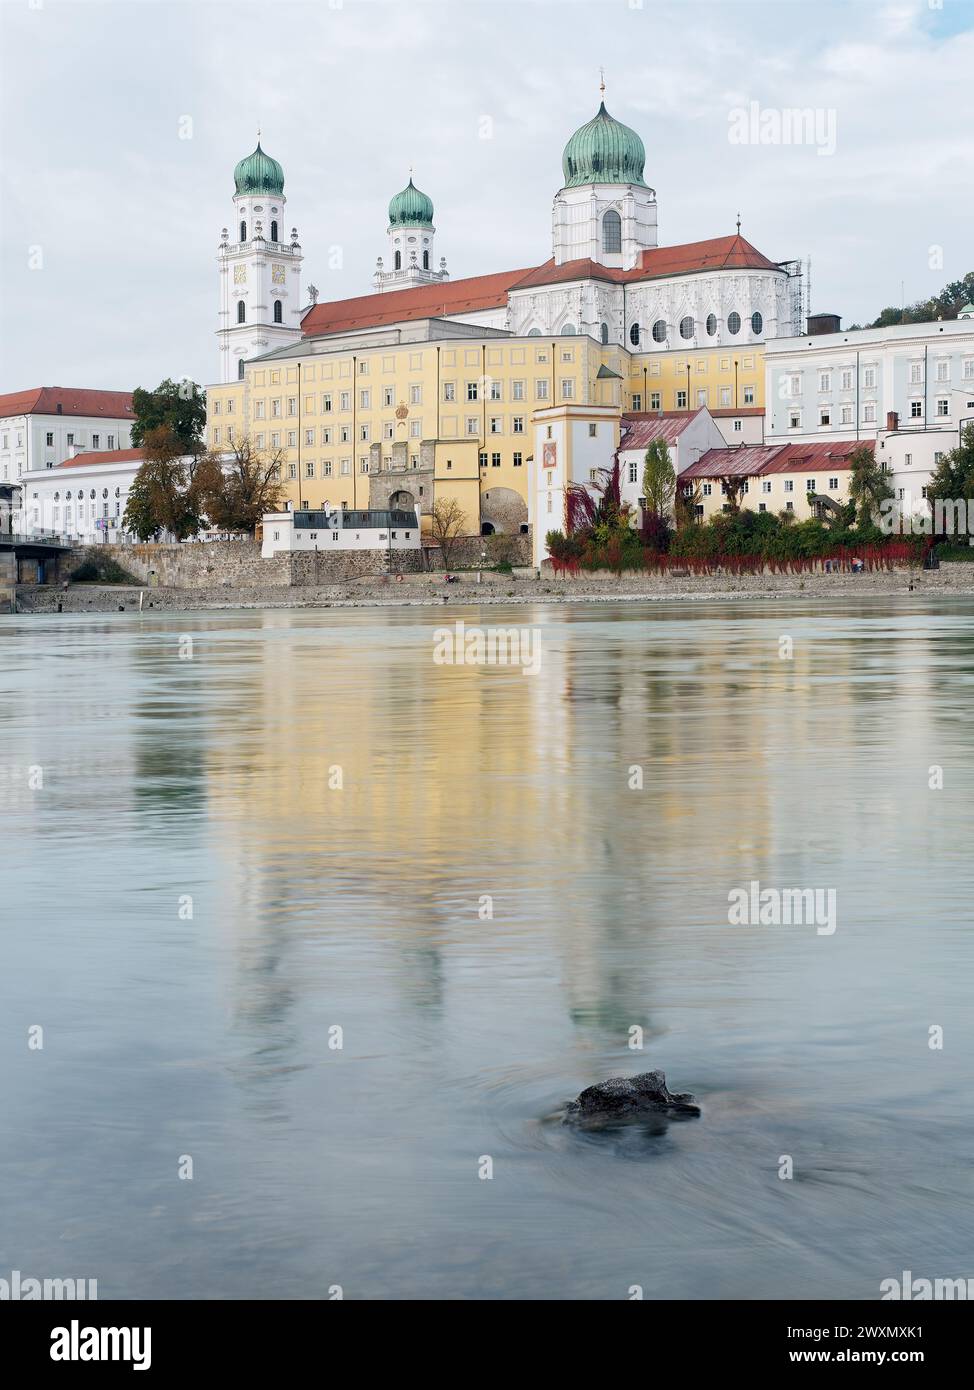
402 501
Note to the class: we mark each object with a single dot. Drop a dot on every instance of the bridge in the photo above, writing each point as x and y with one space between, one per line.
35 545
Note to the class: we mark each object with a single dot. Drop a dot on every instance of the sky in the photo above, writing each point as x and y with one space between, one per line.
121 123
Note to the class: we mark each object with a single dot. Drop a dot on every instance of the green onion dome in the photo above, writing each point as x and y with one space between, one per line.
604 151
411 208
258 173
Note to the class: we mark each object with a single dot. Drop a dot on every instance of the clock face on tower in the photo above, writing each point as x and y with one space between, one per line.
277 274
240 275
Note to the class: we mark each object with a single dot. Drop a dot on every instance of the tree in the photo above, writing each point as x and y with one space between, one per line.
162 496
953 478
179 407
449 520
659 479
868 487
234 493
945 305
733 486
685 505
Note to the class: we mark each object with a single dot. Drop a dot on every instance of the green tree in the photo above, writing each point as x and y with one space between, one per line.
234 493
953 478
945 305
659 479
868 487
162 497
177 406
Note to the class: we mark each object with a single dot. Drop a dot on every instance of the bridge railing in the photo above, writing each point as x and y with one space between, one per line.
51 538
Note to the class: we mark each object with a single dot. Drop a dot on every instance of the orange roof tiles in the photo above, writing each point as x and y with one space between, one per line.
72 400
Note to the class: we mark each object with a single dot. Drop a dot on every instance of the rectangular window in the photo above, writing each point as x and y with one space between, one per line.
846 416
681 400
702 395
833 485
309 470
517 425
707 489
449 391
346 466
567 388
50 440
825 417
633 472
365 399
276 408
809 484
593 431
345 400
496 424
789 485
473 425
869 378
364 432
869 414
541 389
969 369
326 402
916 373
748 395
415 429
765 485
258 410
309 436
825 381
471 391
916 410
943 371
292 405
495 391
416 394
326 468
70 440
517 460
847 379
483 459
495 460
725 399
943 406
656 400
292 437
795 385
637 401
517 389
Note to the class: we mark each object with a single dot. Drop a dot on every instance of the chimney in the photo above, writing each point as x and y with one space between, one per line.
892 421
822 323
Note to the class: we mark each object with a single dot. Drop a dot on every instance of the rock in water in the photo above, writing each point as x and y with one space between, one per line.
628 1095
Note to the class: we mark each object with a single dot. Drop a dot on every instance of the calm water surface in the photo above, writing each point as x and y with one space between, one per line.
314 906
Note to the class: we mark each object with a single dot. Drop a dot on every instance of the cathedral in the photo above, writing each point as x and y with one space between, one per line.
448 380
607 276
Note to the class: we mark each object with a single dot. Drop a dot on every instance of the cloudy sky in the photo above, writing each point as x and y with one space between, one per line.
110 217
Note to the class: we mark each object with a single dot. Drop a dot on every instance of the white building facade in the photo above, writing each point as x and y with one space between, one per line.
41 427
372 529
82 499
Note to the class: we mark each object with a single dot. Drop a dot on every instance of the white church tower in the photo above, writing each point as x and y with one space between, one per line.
260 271
410 233
605 212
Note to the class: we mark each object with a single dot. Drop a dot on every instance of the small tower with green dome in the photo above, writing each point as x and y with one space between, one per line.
410 235
260 267
605 211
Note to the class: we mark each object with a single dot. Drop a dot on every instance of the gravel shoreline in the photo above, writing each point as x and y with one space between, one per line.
432 591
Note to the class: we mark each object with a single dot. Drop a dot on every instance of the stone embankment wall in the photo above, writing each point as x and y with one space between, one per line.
8 581
239 565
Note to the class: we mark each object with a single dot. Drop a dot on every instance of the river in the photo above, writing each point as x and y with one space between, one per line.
321 935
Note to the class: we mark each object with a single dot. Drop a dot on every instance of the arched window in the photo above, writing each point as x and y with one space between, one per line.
659 331
611 231
278 311
568 330
605 333
240 370
686 327
534 333
711 325
243 231
273 231
734 322
426 260
241 311
634 335
757 323
398 260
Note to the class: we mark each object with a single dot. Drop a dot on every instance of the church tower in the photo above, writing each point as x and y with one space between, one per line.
410 234
605 212
260 272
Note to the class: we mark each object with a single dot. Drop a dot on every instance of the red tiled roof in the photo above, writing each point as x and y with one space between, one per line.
426 301
103 456
719 253
641 429
742 462
744 410
824 453
490 291
73 400
750 459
